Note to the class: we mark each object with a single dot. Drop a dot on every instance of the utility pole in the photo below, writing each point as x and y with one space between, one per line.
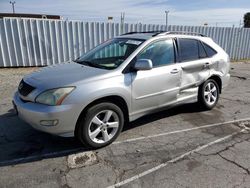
167 12
122 22
13 6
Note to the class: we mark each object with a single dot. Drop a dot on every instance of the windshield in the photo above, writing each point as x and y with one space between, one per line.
110 54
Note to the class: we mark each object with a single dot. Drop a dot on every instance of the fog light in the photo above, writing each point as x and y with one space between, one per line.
49 122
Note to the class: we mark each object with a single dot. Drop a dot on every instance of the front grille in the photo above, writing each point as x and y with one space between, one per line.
24 89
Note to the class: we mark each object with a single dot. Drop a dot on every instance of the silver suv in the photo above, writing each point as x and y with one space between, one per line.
121 80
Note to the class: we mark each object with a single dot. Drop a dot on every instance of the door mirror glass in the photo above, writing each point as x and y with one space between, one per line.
143 64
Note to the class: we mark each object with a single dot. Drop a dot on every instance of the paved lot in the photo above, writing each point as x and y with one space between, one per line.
181 147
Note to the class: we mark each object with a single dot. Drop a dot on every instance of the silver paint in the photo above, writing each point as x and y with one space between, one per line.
143 91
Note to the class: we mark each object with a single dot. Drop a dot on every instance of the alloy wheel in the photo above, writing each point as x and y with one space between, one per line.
103 126
210 93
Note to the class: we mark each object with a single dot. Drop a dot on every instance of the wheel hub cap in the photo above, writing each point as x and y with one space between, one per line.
103 126
210 93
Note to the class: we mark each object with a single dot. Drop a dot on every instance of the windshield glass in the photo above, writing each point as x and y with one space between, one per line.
110 54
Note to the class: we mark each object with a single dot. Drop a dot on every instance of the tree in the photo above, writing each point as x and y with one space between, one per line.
247 20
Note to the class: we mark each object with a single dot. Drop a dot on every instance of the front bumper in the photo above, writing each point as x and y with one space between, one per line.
34 113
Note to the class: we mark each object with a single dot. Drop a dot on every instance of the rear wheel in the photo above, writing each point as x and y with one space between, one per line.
101 125
208 94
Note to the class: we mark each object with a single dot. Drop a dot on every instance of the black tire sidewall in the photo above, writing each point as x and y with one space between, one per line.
82 132
202 100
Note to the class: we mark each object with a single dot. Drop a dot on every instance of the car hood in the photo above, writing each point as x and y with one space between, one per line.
66 74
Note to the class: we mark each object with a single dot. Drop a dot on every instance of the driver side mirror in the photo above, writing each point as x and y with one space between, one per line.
143 64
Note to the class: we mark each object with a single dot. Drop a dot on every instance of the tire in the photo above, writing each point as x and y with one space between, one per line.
208 95
100 125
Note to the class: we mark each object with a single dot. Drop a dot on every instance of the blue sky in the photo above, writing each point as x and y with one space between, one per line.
182 12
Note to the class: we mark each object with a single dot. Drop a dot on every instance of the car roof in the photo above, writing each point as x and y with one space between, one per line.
151 34
142 36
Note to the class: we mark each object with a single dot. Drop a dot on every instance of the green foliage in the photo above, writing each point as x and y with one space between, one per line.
247 20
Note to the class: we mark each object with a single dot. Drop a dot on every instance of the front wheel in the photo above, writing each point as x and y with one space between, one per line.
101 125
208 94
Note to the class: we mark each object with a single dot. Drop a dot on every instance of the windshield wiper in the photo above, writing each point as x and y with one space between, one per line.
89 63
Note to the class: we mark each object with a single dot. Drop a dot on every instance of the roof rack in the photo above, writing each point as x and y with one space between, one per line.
156 33
181 32
138 32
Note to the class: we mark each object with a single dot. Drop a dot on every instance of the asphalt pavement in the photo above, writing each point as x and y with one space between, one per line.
180 147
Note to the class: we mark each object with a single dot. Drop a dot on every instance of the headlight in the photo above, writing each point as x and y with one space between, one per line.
54 96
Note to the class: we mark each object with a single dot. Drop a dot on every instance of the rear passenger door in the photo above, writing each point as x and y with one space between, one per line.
194 62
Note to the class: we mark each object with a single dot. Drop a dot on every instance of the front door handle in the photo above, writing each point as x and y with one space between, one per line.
174 71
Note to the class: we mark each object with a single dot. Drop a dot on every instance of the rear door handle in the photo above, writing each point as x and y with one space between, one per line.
174 71
206 65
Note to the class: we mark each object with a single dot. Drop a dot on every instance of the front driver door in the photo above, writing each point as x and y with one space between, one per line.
160 85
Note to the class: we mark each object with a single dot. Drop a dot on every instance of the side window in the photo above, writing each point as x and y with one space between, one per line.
210 51
160 53
188 49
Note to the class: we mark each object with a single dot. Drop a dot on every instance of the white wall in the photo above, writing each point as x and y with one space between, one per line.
39 42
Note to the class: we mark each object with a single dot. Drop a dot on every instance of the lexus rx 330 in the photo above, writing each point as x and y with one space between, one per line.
121 80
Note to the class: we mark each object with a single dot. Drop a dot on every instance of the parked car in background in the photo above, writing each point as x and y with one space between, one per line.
121 80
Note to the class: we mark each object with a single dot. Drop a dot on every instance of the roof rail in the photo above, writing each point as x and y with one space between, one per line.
138 32
181 32
159 33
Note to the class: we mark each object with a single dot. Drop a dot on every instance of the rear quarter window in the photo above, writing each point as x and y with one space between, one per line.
202 52
209 50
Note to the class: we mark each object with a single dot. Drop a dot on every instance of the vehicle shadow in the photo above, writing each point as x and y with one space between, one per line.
182 109
19 143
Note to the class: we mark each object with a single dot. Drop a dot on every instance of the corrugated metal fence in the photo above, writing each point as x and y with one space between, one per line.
39 42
